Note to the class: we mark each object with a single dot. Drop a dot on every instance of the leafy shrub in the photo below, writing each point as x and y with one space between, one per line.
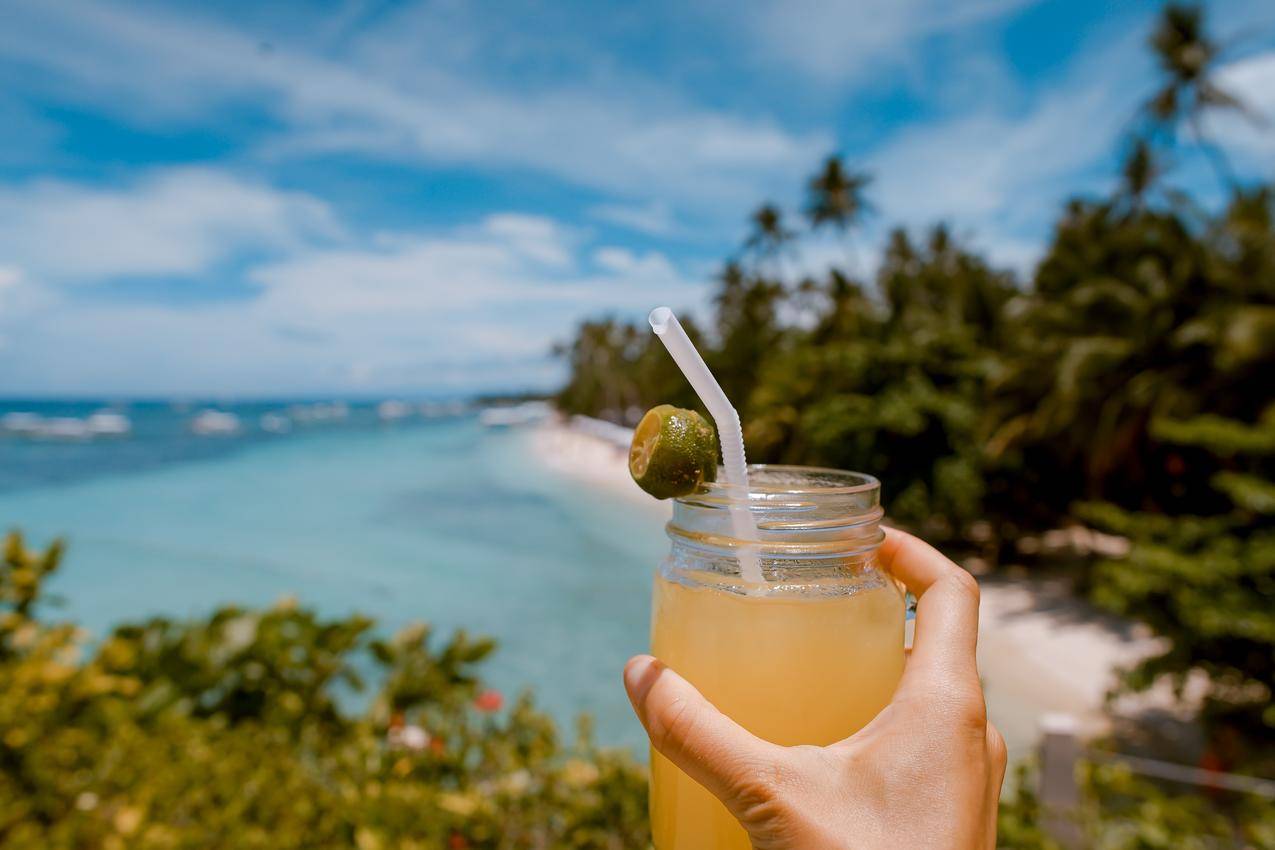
1121 811
234 731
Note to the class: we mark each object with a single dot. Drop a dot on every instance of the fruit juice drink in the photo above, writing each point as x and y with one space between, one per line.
810 657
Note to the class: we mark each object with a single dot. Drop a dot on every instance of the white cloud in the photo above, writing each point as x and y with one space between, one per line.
19 296
984 165
479 305
535 237
615 136
653 218
1252 80
1000 173
835 40
480 302
416 281
615 259
178 222
648 267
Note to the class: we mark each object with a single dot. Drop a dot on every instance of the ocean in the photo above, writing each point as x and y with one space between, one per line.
432 518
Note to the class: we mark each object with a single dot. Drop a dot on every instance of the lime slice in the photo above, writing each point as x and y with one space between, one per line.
673 452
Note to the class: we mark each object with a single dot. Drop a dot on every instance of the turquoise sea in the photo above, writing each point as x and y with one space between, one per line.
428 518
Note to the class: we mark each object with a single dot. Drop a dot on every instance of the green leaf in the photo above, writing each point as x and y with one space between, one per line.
1247 491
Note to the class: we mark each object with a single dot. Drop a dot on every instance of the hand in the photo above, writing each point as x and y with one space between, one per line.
926 772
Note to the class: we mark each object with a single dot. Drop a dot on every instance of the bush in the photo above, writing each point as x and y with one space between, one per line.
234 731
1121 811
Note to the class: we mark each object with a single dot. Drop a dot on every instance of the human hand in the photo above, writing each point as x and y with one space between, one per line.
926 772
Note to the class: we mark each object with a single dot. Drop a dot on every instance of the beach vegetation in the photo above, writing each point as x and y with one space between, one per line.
256 729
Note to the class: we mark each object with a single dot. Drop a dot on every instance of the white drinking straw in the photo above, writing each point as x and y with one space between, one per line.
670 332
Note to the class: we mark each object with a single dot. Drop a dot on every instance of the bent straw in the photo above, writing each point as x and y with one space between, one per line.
679 345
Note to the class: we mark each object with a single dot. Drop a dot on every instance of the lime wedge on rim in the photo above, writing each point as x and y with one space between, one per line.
673 452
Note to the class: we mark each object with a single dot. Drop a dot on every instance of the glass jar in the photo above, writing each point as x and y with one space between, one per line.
808 657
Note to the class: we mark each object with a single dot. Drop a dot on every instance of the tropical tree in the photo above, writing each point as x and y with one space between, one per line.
769 233
941 283
617 369
847 310
1188 59
835 196
1138 174
1203 578
598 358
748 328
892 384
1133 317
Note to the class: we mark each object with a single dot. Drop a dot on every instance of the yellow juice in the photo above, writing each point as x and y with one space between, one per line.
793 669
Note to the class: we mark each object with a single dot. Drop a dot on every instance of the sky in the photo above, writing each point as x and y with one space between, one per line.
374 198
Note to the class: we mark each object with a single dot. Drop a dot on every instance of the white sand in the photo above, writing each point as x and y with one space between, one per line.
1040 650
590 460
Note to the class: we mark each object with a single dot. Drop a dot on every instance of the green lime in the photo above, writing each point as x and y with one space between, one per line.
673 452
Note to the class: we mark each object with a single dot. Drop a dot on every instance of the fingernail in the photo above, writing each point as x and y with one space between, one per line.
639 675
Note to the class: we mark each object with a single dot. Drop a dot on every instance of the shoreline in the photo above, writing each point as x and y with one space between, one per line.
591 452
1041 651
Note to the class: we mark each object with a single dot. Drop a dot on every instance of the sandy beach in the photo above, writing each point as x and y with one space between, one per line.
1041 651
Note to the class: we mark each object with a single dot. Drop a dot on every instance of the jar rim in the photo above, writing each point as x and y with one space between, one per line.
797 511
767 481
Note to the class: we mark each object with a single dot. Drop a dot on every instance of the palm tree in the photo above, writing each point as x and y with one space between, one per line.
836 196
1188 58
769 233
1139 174
600 360
1133 319
748 325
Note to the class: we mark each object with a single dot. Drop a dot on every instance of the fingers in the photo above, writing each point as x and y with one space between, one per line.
707 745
946 632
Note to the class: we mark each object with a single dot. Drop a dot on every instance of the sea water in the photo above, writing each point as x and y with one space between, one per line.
439 520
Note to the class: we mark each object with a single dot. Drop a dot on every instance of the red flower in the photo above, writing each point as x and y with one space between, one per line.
489 701
457 842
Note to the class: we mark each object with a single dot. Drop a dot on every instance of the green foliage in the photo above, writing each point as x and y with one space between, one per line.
1138 321
893 388
270 666
747 327
894 385
228 732
1142 394
1018 822
971 398
1206 582
836 196
21 575
1223 437
618 371
1121 811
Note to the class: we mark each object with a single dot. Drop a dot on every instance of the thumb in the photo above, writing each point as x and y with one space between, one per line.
689 731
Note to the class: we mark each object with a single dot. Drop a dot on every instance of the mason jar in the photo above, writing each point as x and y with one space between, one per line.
809 656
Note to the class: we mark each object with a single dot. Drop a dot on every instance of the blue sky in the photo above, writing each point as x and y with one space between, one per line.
377 198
